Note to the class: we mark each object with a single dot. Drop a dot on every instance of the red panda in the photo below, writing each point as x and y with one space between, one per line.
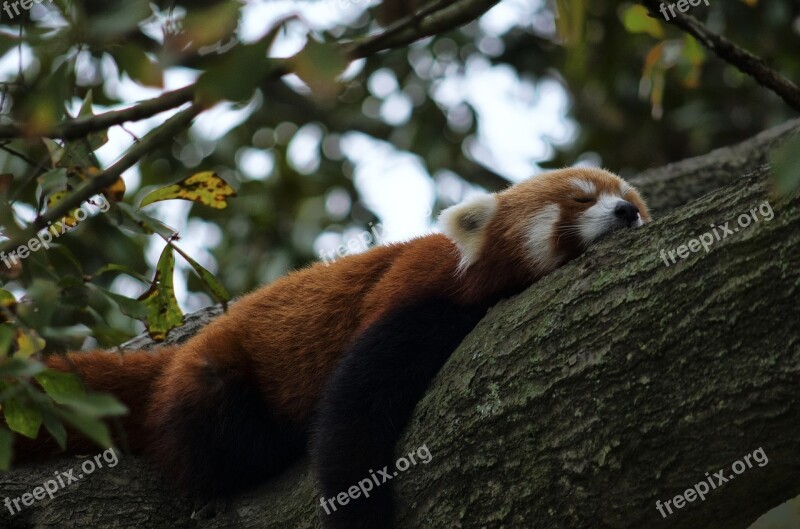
340 353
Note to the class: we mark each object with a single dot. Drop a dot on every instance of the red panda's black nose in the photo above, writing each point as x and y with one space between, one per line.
626 211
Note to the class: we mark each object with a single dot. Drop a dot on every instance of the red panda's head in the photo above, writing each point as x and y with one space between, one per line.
543 222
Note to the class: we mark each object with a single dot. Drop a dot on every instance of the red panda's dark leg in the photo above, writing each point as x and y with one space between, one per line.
212 431
368 402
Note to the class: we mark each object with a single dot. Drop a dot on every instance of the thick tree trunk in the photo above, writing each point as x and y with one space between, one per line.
615 382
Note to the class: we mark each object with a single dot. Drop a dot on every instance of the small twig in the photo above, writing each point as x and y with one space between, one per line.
38 166
4 146
437 17
726 50
131 134
414 18
33 174
153 140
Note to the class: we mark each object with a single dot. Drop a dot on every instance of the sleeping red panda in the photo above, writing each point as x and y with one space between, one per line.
341 353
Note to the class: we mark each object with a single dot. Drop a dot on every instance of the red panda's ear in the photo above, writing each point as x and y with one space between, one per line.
465 225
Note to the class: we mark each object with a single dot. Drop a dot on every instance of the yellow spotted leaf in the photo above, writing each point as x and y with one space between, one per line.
54 199
116 191
205 188
163 312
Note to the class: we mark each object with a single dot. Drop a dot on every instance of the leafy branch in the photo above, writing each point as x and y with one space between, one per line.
439 17
106 178
738 57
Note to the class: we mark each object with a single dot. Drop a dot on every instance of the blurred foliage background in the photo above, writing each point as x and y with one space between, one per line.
313 161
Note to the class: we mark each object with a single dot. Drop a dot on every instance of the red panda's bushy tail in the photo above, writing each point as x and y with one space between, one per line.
130 377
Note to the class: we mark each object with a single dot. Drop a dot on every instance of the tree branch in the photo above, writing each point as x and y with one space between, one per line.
437 17
83 126
726 50
675 184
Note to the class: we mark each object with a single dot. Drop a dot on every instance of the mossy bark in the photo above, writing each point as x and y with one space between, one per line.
614 382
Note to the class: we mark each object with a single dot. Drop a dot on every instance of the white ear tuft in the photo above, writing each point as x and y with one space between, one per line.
465 225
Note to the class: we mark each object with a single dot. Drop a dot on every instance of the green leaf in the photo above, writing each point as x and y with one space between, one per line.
206 27
693 52
56 151
96 139
56 428
112 267
164 314
95 405
20 367
217 290
28 343
141 222
54 180
235 74
9 389
43 297
7 334
637 19
22 418
44 107
204 188
89 426
6 442
692 58
62 256
118 22
78 153
138 65
319 65
130 307
60 386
